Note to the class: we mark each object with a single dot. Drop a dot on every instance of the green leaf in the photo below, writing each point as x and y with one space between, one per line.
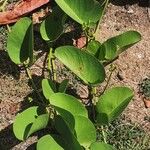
20 41
82 11
83 64
47 143
68 103
63 129
67 116
94 47
111 104
63 86
85 131
28 122
116 45
48 88
101 146
52 27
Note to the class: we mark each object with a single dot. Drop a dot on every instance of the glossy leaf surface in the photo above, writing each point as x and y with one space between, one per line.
52 26
68 103
83 64
112 103
28 122
48 88
82 11
47 142
68 136
115 45
85 131
20 41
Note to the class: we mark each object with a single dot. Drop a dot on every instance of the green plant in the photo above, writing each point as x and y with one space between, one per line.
145 88
72 125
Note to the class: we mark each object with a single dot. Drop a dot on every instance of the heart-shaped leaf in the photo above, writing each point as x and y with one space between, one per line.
115 45
83 64
112 103
68 103
69 138
82 11
52 26
85 131
101 146
48 88
28 122
47 142
20 41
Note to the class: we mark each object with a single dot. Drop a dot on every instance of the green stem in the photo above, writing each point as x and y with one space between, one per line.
51 64
98 24
33 84
107 83
54 70
92 93
104 134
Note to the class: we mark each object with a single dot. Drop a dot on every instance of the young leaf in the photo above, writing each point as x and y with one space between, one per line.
63 86
101 146
85 131
47 142
63 129
52 26
84 65
28 122
20 41
112 103
116 45
68 103
94 47
82 11
48 88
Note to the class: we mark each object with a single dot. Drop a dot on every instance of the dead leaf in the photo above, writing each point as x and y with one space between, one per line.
20 9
